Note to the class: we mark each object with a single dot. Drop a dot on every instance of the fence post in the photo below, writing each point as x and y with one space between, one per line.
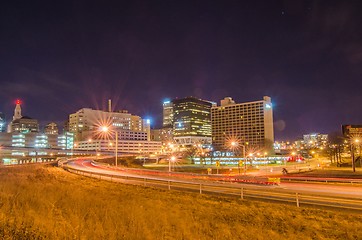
144 182
169 185
200 188
297 199
242 193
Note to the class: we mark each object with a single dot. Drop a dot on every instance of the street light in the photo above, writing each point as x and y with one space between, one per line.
105 129
172 159
235 144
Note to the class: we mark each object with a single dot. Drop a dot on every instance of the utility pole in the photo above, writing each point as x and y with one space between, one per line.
353 162
116 148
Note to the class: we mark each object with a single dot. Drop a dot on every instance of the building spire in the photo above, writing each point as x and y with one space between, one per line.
17 111
109 105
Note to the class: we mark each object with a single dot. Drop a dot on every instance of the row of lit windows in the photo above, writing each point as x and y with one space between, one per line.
261 121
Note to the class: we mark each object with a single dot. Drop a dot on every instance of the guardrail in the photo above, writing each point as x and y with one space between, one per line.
26 164
242 192
321 180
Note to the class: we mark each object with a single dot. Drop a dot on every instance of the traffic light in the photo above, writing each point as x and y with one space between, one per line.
217 163
240 163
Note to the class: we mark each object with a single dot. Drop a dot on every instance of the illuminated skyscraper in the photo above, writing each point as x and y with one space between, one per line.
167 114
2 122
191 121
249 123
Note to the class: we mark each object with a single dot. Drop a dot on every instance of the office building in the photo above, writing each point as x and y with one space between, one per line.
136 147
37 140
86 122
164 135
2 122
352 131
249 123
133 132
51 129
167 114
315 140
191 121
24 125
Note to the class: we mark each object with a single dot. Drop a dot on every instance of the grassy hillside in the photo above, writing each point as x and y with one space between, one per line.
49 203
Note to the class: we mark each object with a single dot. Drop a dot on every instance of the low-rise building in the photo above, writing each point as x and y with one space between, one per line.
24 125
315 140
124 146
51 129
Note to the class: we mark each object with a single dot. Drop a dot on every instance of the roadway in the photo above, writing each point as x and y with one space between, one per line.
344 191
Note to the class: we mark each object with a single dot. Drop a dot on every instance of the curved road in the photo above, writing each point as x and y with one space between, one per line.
305 188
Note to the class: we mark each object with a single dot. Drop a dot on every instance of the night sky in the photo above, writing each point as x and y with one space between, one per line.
60 56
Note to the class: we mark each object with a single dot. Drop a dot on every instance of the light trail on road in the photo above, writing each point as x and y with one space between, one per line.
306 188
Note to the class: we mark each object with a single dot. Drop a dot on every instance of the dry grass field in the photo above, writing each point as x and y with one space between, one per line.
44 202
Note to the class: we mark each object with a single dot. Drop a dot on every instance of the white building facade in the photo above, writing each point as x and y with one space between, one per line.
86 122
249 123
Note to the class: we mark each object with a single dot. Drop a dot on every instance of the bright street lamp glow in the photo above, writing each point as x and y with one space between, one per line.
104 129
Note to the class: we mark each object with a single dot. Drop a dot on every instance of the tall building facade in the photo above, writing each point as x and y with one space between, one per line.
85 124
191 121
16 116
17 110
167 114
249 123
2 122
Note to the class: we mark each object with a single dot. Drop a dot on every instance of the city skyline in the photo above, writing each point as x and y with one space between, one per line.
305 55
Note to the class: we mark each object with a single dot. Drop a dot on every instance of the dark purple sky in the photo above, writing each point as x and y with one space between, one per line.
60 56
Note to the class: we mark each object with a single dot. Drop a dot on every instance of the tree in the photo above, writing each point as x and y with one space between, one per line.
191 152
335 140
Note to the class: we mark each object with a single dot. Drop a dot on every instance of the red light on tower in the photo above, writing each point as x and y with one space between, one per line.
18 101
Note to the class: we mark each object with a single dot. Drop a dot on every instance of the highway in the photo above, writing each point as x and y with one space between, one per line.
328 195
